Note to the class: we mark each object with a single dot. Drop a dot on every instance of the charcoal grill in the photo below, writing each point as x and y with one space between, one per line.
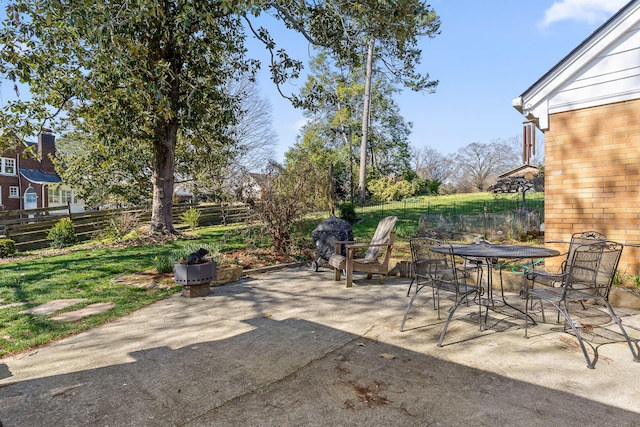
325 235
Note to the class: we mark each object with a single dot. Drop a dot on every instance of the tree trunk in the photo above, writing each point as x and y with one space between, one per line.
362 183
164 151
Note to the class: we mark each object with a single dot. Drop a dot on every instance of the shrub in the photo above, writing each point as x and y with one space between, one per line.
386 189
7 248
124 223
183 253
164 264
406 231
121 225
191 217
348 212
62 234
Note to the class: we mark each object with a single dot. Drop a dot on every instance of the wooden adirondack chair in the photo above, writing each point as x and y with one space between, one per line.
376 258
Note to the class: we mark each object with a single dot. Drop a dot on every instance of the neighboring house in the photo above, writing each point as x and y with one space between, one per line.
524 171
253 186
182 194
588 107
523 179
28 179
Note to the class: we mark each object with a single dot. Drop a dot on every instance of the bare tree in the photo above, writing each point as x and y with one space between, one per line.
254 130
480 164
254 148
432 165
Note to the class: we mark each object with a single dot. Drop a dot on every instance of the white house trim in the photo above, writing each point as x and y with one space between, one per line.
602 69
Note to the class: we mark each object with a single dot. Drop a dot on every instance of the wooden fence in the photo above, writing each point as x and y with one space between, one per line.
29 228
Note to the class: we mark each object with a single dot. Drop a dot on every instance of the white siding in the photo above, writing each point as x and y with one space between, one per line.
613 76
604 69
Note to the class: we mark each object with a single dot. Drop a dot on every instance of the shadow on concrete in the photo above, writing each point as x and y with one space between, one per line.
293 372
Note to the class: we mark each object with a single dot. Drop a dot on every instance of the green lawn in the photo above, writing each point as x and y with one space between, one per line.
84 273
88 272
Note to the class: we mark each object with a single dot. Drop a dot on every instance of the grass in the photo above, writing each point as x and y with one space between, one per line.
409 212
88 272
84 273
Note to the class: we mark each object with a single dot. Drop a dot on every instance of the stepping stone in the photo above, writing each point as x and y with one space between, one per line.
96 308
53 306
13 304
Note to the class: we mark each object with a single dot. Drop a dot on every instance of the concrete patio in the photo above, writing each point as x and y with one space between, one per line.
293 347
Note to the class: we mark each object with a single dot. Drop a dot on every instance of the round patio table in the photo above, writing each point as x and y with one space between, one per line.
489 251
490 255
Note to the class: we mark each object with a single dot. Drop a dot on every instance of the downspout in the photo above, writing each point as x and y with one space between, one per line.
20 195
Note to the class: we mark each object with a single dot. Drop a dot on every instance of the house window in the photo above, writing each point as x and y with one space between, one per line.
61 197
8 166
66 197
14 191
54 197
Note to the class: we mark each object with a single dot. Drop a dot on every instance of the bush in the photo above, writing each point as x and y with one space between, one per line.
387 190
123 223
62 234
183 253
191 217
7 248
163 264
348 212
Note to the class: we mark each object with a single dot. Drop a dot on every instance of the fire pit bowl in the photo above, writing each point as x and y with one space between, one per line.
195 278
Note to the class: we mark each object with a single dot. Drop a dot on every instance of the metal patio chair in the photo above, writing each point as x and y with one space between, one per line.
577 239
439 271
432 269
548 278
589 277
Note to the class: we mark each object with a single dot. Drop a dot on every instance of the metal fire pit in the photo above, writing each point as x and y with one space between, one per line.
325 235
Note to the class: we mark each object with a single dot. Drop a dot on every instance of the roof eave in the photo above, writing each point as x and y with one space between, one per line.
533 102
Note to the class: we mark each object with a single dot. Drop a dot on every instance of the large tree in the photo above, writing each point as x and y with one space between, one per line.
147 72
337 91
480 164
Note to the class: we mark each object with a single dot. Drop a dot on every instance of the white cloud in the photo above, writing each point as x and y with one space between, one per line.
589 11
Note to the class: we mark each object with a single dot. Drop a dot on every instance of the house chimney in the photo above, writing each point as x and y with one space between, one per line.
46 150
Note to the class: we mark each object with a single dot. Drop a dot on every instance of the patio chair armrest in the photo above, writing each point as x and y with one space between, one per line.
367 245
337 246
352 248
554 277
344 242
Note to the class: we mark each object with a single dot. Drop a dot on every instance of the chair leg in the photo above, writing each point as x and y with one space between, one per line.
526 315
406 312
590 364
624 332
338 274
349 276
410 285
451 312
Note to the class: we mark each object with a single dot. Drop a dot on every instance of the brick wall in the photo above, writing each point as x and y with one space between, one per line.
592 177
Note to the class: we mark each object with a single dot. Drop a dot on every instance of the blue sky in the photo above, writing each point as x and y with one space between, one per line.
488 53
